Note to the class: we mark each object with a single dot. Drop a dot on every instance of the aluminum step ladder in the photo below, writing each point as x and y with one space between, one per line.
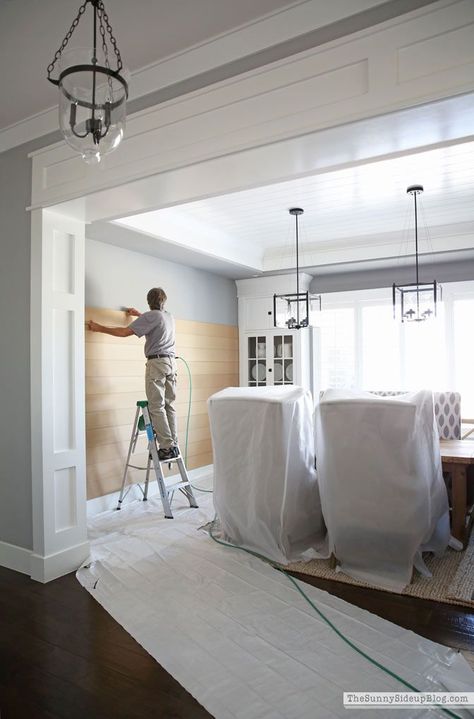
142 424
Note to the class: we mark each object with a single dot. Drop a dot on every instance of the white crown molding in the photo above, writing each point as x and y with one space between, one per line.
28 129
301 18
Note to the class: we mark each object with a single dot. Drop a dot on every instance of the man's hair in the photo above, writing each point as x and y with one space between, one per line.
156 298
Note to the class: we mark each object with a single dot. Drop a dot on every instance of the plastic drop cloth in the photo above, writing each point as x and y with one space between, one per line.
237 635
265 488
382 490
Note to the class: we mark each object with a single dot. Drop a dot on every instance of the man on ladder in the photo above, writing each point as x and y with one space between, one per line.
160 383
160 377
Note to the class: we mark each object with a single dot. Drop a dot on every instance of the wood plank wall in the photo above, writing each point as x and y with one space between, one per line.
115 371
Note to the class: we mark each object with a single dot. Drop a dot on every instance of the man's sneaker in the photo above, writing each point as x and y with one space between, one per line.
168 453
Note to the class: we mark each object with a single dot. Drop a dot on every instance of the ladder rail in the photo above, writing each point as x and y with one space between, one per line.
166 491
131 447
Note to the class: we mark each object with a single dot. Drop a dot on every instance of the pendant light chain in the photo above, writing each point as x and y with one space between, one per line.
105 50
75 23
297 274
98 7
416 237
103 14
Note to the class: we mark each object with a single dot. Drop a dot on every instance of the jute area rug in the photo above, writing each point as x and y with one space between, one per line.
452 581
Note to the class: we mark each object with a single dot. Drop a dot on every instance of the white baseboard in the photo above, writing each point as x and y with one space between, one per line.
109 501
46 568
14 557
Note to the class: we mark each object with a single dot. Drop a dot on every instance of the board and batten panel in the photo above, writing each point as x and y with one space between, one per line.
114 380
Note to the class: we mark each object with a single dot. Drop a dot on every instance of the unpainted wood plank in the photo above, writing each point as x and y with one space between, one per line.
206 328
117 417
185 340
115 370
120 434
115 384
112 352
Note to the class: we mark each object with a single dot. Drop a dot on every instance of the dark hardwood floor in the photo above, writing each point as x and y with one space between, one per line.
63 656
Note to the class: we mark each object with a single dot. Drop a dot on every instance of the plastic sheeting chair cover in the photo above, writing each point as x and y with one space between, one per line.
382 490
265 489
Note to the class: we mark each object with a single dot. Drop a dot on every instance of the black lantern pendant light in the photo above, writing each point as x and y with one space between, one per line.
418 300
295 310
92 94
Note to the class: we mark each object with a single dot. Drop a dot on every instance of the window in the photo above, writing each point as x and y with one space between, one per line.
380 361
338 348
361 345
425 355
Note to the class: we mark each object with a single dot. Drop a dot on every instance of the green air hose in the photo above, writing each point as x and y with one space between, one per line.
288 575
190 396
281 569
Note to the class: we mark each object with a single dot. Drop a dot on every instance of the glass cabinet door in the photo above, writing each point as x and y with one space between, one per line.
282 359
257 361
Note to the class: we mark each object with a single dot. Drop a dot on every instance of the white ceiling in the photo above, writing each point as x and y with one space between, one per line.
147 31
351 214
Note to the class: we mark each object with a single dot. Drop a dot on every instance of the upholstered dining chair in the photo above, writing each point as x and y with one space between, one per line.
266 492
383 497
447 410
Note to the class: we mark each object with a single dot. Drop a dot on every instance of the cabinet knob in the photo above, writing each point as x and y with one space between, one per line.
269 312
269 369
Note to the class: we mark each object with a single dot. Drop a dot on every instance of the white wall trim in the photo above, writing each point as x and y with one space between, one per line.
336 83
46 568
14 557
109 501
57 395
256 36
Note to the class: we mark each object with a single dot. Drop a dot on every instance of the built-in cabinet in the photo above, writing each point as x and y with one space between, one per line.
270 359
271 356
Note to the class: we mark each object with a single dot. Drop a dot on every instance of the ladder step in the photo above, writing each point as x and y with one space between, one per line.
178 485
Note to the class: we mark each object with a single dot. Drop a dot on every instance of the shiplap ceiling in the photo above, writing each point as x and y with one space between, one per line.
351 214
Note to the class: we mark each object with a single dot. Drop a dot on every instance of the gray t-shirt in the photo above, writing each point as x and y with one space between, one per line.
158 328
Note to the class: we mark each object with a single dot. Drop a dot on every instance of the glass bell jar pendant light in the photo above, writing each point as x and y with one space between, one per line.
416 301
298 309
92 88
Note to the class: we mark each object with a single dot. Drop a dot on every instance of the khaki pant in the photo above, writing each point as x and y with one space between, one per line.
160 386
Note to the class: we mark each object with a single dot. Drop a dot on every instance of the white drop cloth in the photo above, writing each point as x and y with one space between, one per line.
237 635
382 490
265 488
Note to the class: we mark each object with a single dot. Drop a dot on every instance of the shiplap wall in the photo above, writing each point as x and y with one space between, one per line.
115 370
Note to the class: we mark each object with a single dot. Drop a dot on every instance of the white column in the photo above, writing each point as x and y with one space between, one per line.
57 395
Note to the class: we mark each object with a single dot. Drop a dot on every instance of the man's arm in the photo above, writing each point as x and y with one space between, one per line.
114 331
132 312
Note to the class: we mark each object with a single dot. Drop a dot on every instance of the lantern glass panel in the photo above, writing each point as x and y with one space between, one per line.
77 117
417 303
294 311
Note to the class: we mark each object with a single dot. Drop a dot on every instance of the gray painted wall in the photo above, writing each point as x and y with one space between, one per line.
15 434
116 277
